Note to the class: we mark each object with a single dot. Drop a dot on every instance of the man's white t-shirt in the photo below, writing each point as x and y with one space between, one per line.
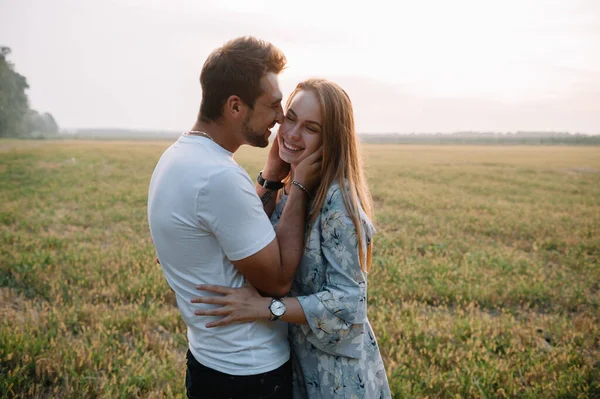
203 213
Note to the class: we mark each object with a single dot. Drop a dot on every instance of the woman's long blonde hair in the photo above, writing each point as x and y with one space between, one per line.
341 161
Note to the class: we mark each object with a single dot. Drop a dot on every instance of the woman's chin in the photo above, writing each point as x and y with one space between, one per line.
289 158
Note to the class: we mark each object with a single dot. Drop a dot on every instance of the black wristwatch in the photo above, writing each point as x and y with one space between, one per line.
269 185
277 309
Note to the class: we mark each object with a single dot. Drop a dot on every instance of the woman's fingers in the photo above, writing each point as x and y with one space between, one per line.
212 300
317 156
221 322
225 310
233 303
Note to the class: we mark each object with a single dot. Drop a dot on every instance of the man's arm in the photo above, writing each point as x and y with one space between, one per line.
267 197
272 269
275 170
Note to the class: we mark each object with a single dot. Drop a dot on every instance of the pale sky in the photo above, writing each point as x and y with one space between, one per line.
408 66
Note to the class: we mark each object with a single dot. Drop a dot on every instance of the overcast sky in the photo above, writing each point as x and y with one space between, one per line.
408 65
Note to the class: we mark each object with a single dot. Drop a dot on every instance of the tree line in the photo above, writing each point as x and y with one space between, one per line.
528 138
17 119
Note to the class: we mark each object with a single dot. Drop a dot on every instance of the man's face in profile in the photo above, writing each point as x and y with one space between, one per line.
267 111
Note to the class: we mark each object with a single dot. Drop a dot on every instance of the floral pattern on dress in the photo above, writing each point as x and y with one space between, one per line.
336 354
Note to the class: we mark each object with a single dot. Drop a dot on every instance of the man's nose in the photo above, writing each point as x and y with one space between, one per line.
279 117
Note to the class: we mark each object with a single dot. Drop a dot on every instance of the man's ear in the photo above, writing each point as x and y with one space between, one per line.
234 107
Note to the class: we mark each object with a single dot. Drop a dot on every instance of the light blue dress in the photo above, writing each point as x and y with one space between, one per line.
336 354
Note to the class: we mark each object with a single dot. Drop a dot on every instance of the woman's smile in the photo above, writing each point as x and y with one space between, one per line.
291 147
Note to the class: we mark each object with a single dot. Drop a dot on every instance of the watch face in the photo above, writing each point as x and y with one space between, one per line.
277 308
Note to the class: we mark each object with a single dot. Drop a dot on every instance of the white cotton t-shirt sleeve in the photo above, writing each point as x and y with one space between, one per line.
233 212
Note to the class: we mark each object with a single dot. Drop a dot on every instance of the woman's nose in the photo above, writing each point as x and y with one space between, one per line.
294 132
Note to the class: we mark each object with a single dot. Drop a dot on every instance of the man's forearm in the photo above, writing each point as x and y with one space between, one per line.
290 232
268 198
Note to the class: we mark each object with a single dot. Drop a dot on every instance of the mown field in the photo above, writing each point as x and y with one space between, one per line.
485 284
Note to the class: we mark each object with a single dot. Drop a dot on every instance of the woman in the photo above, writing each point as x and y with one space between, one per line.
335 351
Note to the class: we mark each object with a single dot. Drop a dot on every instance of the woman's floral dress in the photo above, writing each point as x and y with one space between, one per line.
336 354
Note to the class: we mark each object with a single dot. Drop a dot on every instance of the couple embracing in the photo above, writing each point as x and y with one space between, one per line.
270 275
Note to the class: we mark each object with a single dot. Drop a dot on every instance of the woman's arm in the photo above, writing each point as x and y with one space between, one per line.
240 305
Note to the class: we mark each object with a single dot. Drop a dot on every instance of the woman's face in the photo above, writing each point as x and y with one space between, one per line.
300 133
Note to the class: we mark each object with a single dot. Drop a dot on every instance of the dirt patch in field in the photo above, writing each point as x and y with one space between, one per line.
378 201
56 165
10 299
15 308
18 145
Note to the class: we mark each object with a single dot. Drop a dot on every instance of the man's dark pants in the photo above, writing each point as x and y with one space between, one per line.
202 382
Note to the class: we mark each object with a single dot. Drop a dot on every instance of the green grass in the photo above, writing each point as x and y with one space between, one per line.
485 281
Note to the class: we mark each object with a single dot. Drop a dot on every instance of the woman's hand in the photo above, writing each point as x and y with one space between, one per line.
238 305
308 172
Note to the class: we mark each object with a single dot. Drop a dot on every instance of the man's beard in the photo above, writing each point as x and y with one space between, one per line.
252 138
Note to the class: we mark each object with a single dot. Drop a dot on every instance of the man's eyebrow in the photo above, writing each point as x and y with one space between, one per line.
277 100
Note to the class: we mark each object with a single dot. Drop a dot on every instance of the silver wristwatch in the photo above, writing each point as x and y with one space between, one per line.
277 308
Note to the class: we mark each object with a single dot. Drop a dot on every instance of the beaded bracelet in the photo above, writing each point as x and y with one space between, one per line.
295 183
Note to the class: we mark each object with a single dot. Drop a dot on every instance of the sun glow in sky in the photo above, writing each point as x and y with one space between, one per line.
409 66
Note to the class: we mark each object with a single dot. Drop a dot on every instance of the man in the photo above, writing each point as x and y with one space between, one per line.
209 226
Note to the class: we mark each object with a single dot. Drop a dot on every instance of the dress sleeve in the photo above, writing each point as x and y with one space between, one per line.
337 314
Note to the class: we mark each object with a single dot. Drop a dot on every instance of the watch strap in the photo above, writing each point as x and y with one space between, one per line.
268 184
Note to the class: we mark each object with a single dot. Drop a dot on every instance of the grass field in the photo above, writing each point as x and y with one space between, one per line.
485 284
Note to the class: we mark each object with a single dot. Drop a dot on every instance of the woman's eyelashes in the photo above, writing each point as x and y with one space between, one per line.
308 127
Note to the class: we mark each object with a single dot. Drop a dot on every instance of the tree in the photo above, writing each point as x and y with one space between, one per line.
36 124
16 118
14 104
50 125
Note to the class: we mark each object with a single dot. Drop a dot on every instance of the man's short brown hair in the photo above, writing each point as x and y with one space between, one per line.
236 68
